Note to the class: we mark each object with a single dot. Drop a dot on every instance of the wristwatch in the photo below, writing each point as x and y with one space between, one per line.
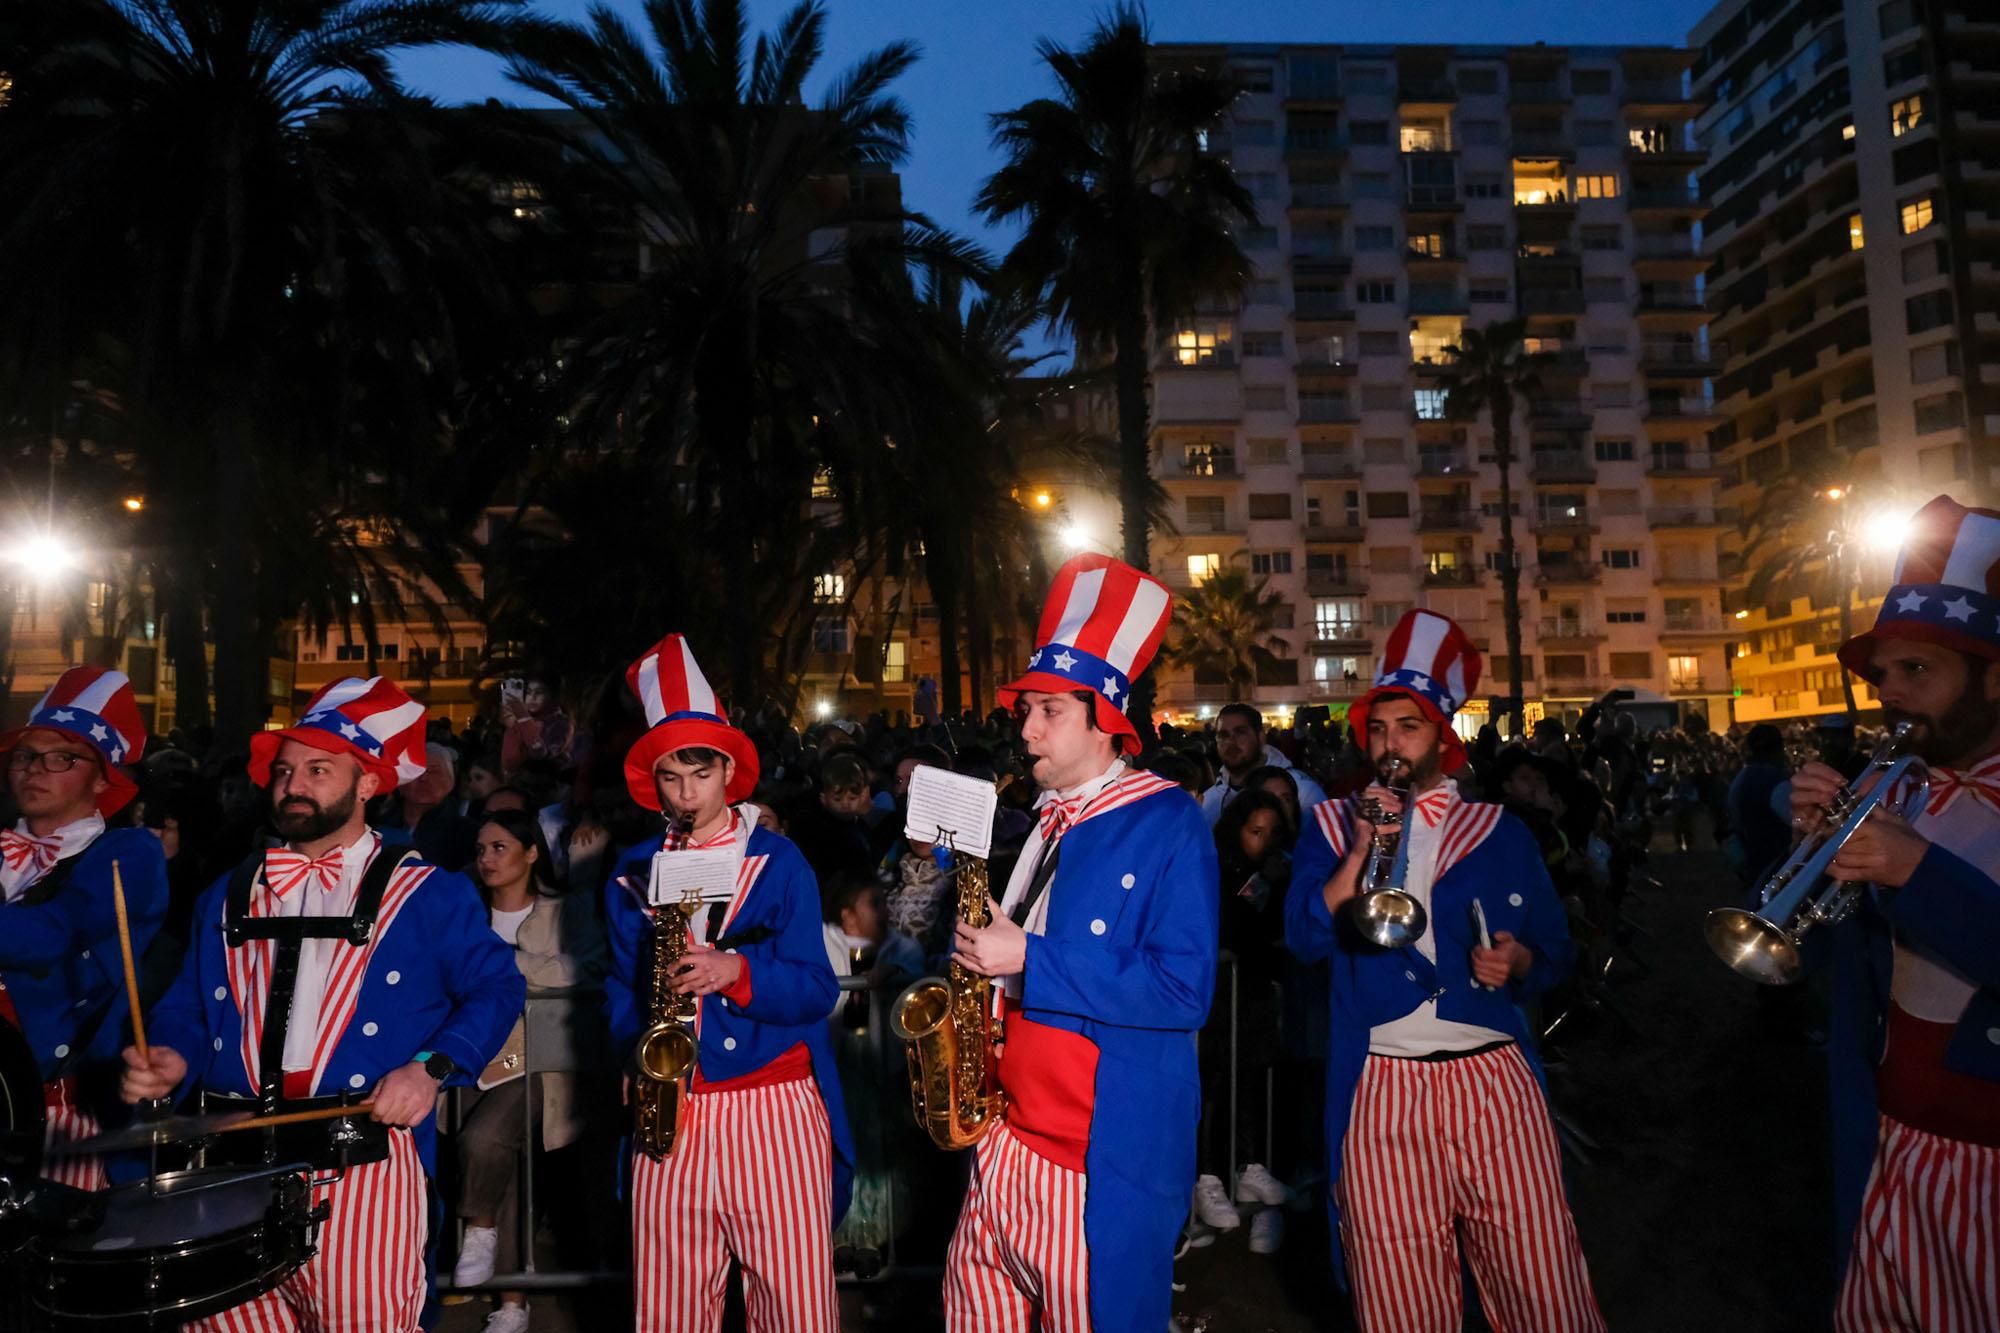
437 1064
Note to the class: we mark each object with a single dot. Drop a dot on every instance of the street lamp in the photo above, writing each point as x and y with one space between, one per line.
823 709
1076 537
1885 529
134 503
43 555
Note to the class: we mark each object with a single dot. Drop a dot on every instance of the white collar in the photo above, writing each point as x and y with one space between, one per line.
1087 790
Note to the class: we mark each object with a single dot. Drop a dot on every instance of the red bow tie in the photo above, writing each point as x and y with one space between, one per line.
19 848
285 871
1058 815
1431 805
1982 780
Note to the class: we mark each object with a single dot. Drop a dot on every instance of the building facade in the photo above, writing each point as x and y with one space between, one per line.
1853 240
1405 194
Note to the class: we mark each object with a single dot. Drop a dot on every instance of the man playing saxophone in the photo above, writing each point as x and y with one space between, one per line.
1914 1041
752 1160
1439 1136
1106 941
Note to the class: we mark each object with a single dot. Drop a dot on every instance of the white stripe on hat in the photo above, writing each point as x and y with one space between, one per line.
649 689
1974 553
1148 601
1083 595
342 691
95 695
1454 682
700 698
390 723
1427 633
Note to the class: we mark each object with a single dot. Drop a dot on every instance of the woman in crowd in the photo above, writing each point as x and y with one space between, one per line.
1253 841
558 943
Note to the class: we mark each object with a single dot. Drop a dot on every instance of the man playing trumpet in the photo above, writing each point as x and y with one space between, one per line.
1436 1124
1915 1031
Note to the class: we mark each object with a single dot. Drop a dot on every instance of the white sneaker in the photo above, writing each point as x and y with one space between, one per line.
1256 1185
475 1260
1194 1237
1267 1231
509 1318
1212 1206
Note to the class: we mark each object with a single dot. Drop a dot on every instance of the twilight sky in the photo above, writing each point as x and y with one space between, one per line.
978 56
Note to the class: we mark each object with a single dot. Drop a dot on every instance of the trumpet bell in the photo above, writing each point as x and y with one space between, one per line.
1753 947
1389 918
666 1052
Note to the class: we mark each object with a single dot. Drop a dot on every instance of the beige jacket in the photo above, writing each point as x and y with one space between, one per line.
560 946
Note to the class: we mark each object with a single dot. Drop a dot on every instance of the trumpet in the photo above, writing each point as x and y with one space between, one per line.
1382 911
1799 896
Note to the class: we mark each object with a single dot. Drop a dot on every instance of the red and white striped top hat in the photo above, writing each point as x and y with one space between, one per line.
1946 588
1100 628
95 705
371 719
683 712
1429 660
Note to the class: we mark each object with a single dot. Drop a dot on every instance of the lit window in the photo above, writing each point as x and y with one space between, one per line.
1847 131
1430 404
1339 618
1906 114
1597 187
1539 182
829 587
1201 568
896 660
1202 343
823 487
1684 673
1854 238
1916 214
1430 244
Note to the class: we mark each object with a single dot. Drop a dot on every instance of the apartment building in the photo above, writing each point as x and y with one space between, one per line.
1406 193
1853 238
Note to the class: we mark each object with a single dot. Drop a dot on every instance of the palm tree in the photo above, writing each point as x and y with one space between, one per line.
732 364
223 217
1801 539
1227 626
1490 370
1128 223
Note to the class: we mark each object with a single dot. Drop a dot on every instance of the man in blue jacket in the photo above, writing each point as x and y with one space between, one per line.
62 979
334 969
1914 1042
1437 1129
761 1164
1105 941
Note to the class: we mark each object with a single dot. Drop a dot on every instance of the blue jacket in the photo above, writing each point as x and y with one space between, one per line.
1952 908
60 961
1370 986
438 980
792 985
1127 960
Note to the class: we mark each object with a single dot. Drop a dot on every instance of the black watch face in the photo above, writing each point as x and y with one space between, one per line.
439 1067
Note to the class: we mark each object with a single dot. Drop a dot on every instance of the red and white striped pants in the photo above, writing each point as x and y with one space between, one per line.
69 1124
1927 1250
1437 1149
1018 1262
751 1175
368 1276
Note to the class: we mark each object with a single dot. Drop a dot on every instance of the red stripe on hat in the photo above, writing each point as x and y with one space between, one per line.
1120 583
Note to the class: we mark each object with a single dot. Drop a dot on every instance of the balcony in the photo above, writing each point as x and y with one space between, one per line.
1326 411
1664 199
1335 583
1669 300
1346 532
1340 636
1431 91
1319 305
1338 689
1695 624
1319 254
1448 518
1559 465
1533 91
1699 685
1334 467
1655 92
1559 413
1674 248
1313 144
1436 303
1563 518
1686 576
1688 359
1431 198
1684 463
1557 573
1318 196
1661 408
1563 630
1541 144
1325 365
1451 576
1567 301
1686 516
1200 464
1572 687
1442 463
1424 258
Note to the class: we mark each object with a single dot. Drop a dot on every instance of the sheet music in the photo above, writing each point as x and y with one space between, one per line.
711 873
945 803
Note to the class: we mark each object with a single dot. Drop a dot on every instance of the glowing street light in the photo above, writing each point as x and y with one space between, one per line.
134 503
823 709
1043 499
1885 529
1076 537
42 554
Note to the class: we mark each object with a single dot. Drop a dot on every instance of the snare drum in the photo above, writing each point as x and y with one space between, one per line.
175 1248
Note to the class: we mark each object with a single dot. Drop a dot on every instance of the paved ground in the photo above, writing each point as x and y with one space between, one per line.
1703 1207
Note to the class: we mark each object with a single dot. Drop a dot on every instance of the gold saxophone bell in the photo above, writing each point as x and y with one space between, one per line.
667 1050
947 1025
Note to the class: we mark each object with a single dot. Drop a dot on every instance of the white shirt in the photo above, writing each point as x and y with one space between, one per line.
507 925
1031 853
1924 985
316 957
71 838
1421 1031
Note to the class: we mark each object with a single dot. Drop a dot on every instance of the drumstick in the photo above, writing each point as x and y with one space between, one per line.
299 1117
131 971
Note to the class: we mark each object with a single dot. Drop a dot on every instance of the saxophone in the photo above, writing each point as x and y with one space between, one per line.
946 1022
666 1051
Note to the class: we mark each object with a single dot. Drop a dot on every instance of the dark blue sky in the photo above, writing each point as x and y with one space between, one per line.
978 55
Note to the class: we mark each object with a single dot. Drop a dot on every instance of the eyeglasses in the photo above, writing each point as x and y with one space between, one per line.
50 761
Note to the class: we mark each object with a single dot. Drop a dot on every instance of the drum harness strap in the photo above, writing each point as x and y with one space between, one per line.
290 932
